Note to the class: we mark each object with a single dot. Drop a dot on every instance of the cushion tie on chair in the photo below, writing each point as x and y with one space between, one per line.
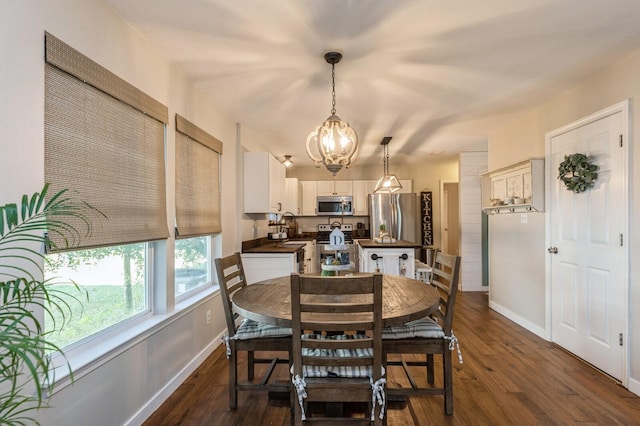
225 340
453 343
377 395
300 384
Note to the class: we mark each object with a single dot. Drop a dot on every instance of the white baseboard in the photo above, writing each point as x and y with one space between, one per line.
156 401
534 328
634 386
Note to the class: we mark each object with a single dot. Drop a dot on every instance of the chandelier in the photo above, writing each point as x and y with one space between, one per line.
388 183
335 142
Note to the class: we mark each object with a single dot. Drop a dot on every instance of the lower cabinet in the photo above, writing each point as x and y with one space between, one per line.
310 265
394 261
263 266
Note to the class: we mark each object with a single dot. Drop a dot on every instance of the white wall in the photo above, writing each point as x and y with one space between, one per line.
471 165
127 386
516 270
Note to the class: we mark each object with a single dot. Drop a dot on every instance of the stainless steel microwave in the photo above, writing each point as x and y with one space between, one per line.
335 205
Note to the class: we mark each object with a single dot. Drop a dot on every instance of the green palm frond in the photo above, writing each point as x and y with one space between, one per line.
24 346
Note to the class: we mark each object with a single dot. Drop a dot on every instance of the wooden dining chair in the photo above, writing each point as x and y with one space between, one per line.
428 336
338 365
250 336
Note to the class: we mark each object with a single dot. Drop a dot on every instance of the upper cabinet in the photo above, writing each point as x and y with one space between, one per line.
361 191
406 186
335 187
518 188
293 199
264 183
309 197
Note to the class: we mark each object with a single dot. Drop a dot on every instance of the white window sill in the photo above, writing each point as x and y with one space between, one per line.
103 347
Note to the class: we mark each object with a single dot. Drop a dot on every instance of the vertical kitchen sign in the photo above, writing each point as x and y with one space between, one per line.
426 207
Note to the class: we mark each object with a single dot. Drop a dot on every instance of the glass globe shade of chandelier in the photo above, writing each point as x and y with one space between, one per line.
335 142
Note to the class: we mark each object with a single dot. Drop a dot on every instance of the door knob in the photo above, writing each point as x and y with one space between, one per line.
553 250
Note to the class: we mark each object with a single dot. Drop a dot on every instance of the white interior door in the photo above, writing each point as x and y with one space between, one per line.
588 300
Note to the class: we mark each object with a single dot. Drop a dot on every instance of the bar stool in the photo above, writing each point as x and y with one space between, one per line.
422 271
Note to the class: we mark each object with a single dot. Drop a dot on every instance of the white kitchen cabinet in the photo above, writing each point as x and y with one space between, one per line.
335 187
264 183
309 197
293 199
389 261
263 266
310 257
406 186
361 191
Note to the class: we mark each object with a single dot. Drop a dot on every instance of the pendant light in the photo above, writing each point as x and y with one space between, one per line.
288 162
335 142
388 183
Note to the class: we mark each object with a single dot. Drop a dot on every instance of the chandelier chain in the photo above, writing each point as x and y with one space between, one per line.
333 89
386 160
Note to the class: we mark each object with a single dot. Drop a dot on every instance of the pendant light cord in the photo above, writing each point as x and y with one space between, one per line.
386 160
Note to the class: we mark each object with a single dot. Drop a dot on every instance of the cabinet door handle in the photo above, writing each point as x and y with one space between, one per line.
553 250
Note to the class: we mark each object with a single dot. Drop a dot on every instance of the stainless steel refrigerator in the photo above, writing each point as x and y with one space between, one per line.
400 214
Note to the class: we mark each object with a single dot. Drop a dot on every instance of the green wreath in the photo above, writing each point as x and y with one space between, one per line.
577 172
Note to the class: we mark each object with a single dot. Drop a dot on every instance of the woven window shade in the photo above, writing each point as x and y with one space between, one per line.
197 181
107 151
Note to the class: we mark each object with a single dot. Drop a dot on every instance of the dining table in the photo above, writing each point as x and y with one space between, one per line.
404 299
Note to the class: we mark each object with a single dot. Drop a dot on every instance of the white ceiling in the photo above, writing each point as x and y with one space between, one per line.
409 67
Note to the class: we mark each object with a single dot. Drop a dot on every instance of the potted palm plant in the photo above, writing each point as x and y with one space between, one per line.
27 299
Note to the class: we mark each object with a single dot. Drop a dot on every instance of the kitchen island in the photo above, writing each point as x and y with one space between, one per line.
395 258
264 259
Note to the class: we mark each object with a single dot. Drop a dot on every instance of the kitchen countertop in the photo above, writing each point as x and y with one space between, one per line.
274 247
398 244
264 245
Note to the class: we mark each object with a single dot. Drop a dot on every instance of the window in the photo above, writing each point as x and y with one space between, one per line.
192 263
114 281
197 204
104 140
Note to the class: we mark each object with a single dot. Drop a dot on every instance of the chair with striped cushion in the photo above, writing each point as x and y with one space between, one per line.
249 336
428 336
339 365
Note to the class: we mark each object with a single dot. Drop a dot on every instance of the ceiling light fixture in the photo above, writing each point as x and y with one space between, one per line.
387 184
335 141
287 161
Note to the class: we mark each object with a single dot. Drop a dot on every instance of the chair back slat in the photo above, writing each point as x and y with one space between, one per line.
338 362
231 278
332 308
326 285
446 273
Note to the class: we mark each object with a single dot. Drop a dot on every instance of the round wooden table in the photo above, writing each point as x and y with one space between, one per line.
403 300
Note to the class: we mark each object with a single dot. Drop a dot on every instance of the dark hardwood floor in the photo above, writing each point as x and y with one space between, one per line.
509 377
